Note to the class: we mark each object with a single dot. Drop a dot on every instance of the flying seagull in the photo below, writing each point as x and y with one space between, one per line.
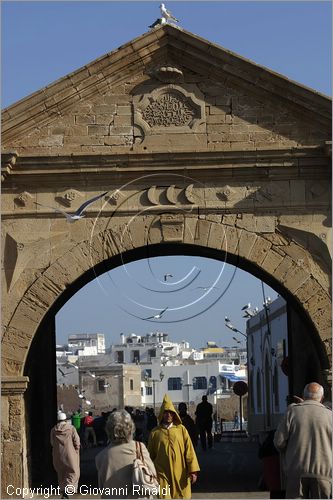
91 374
167 275
246 307
159 22
157 316
167 14
78 214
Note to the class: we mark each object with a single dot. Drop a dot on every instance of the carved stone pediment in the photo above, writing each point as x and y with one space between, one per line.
169 109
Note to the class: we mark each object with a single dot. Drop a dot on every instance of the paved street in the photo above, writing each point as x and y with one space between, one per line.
229 470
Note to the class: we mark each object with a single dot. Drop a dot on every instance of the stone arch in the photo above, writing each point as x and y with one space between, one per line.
285 265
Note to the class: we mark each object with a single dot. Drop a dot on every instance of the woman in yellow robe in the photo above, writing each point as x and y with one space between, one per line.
172 452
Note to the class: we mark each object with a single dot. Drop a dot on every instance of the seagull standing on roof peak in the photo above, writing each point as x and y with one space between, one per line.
79 212
167 14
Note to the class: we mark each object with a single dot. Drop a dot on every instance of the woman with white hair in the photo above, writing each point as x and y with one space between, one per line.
65 443
115 463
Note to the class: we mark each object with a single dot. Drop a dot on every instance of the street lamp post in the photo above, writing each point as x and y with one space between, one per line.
154 381
231 327
188 385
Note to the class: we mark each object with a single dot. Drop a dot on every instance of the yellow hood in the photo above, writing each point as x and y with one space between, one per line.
168 405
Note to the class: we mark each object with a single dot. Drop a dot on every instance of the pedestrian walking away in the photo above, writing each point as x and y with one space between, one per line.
173 454
188 423
304 438
89 430
115 463
204 421
236 421
65 444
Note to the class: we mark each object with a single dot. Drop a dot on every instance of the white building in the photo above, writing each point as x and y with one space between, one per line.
142 349
87 344
189 382
268 384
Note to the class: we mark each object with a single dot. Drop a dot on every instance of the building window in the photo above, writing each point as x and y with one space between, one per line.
149 391
174 384
119 356
200 383
131 384
135 357
152 353
212 383
259 399
101 385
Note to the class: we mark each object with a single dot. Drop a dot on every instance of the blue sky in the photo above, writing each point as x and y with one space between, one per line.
43 41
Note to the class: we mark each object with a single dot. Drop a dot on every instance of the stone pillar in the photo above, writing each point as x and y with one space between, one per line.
13 434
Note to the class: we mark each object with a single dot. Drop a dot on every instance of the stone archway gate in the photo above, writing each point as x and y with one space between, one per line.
194 144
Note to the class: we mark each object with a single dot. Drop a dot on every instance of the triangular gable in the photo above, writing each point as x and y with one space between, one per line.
110 105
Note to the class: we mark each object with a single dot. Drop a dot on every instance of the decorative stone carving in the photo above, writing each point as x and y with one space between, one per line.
169 109
172 227
189 195
8 161
261 195
23 199
171 195
227 194
317 189
151 195
68 197
114 197
168 74
17 254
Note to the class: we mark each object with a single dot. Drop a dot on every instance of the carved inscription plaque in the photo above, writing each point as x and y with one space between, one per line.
169 110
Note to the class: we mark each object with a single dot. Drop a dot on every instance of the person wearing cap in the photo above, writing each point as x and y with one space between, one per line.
172 452
65 444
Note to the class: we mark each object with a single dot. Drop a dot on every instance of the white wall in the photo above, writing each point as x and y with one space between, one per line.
268 384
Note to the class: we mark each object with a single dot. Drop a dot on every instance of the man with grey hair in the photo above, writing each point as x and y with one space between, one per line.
304 436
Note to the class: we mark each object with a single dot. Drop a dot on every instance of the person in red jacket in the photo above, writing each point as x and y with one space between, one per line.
89 429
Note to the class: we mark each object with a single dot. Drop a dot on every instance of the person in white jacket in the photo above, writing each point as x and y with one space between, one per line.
304 437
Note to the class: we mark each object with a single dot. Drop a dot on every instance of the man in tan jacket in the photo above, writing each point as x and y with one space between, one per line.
304 436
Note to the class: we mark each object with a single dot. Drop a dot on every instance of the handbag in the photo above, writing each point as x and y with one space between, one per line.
142 476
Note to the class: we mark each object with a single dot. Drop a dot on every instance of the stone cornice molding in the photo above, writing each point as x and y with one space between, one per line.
14 385
268 164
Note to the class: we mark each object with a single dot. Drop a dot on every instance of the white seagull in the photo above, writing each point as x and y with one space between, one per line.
159 22
157 316
78 214
167 14
246 307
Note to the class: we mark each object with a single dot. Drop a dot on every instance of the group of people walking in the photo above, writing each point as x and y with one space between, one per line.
303 437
